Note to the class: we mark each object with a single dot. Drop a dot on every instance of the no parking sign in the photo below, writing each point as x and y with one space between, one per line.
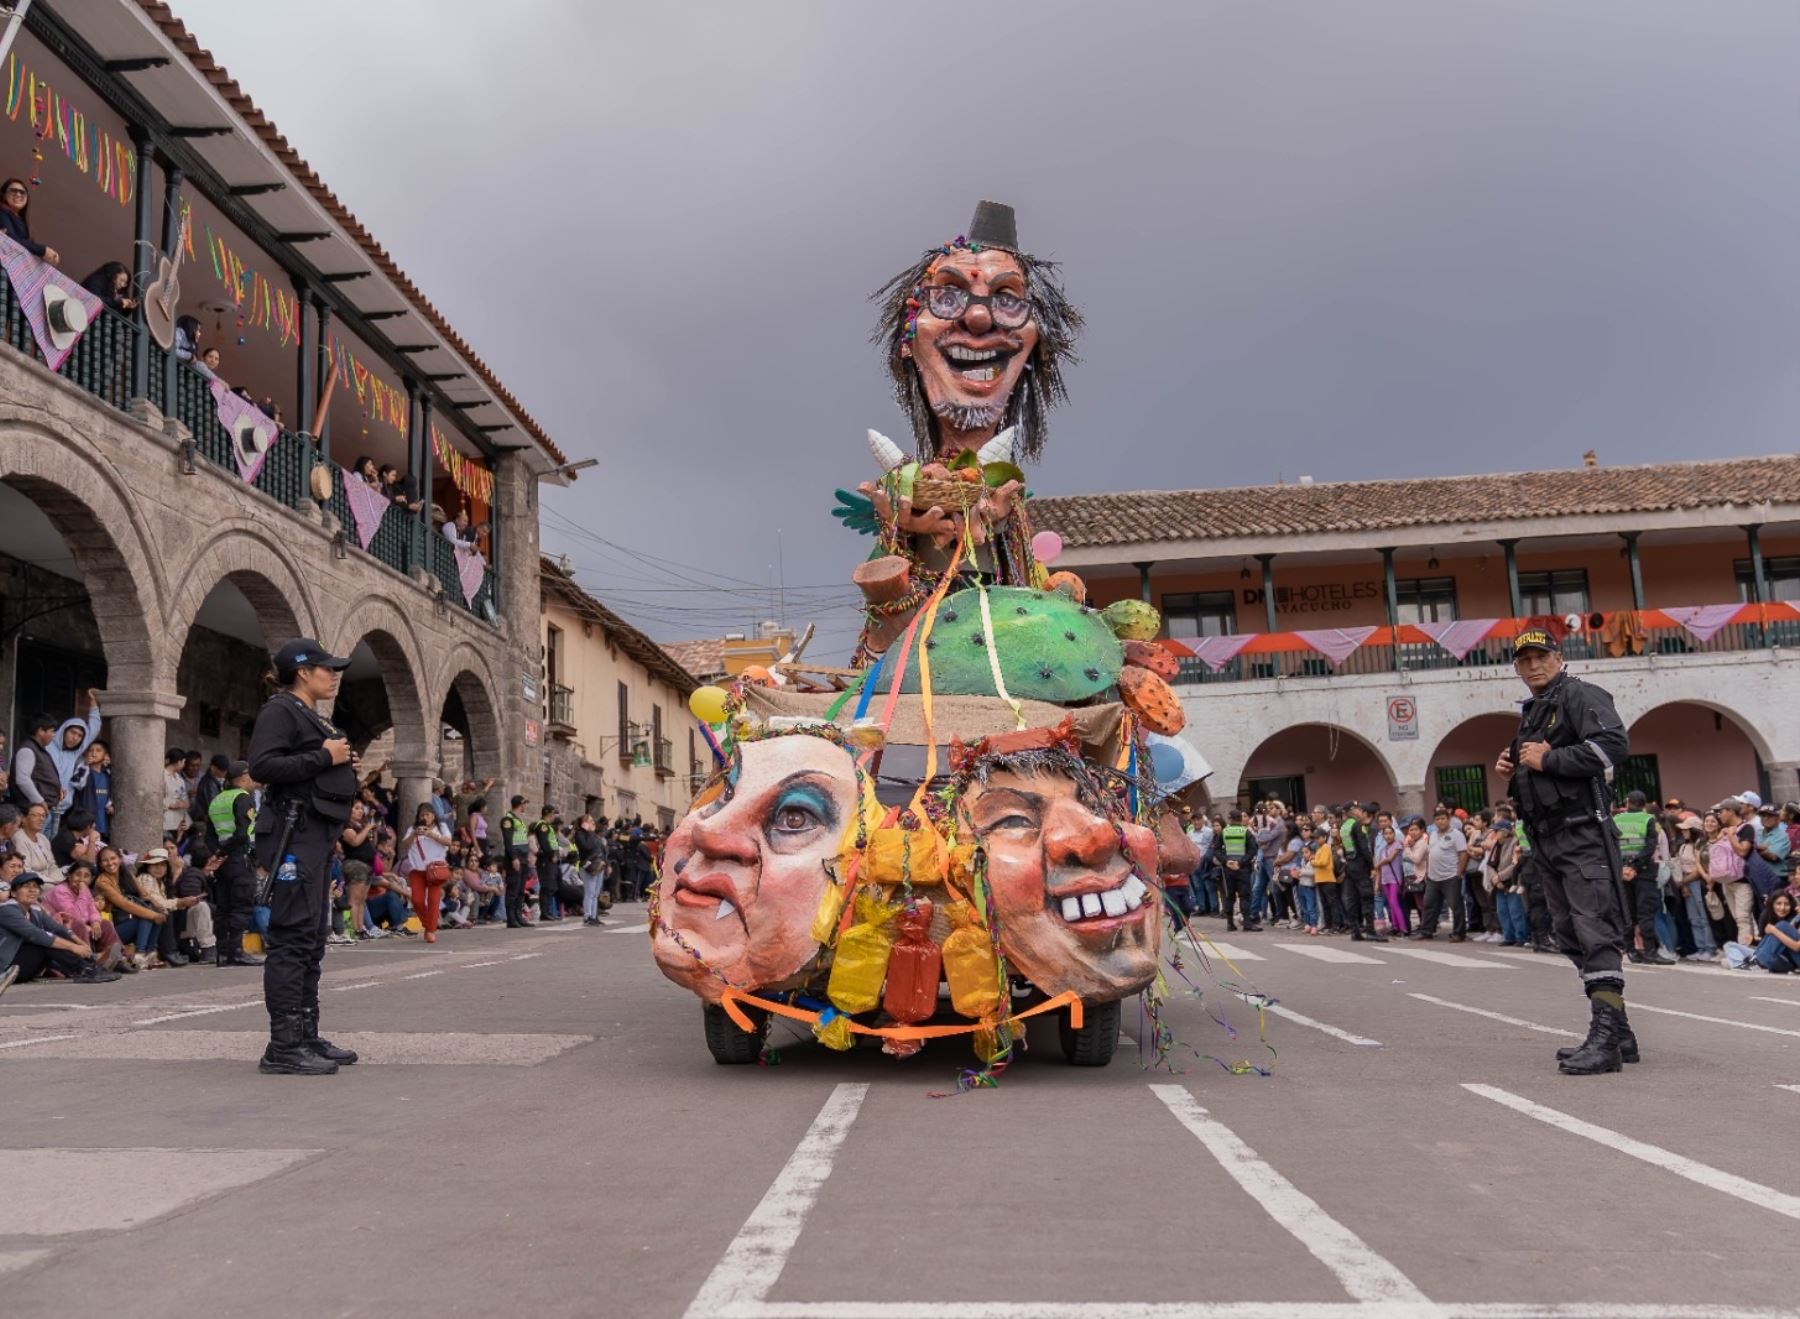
1403 719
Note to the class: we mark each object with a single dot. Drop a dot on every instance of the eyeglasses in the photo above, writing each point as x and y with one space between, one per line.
17 192
947 302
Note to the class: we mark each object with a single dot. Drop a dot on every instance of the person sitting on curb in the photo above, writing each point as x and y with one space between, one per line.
31 942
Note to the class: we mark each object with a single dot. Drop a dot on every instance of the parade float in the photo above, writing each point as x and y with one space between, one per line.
969 828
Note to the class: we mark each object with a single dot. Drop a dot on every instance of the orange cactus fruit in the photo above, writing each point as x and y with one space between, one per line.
1151 699
1149 655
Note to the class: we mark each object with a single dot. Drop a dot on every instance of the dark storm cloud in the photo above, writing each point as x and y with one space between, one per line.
1342 239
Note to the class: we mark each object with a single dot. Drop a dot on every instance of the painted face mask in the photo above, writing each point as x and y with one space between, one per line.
744 871
971 343
1075 911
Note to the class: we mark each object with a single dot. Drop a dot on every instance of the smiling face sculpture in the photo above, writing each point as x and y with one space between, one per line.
744 871
1074 907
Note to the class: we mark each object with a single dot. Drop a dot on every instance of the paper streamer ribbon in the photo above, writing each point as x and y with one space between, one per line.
731 998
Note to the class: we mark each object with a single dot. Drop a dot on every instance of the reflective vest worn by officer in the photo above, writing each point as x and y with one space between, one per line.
516 832
1236 843
1637 840
231 835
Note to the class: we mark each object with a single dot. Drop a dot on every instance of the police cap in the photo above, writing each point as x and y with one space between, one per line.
1535 638
304 652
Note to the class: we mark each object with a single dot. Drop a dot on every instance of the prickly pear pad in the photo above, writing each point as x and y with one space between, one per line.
1049 647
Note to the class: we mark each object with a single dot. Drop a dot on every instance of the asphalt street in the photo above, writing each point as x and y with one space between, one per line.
538 1129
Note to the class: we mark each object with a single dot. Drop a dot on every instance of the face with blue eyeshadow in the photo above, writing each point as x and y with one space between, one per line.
744 872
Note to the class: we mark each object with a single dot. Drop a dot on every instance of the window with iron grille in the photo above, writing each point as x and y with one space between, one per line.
1425 599
1781 578
1637 773
1200 614
1462 785
1564 591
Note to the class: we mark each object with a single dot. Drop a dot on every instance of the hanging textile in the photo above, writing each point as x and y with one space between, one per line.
1702 622
367 505
1217 652
1461 636
1336 643
471 569
252 433
30 277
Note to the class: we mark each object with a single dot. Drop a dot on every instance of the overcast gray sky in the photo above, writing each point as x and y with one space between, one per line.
1345 238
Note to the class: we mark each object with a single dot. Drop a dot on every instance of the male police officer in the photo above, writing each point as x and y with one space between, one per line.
230 820
515 837
1559 763
1358 888
1638 837
1235 848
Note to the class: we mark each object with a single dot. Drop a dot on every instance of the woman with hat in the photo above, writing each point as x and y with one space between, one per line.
15 201
310 778
1690 882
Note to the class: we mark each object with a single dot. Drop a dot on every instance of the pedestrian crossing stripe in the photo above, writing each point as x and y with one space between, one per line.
1320 952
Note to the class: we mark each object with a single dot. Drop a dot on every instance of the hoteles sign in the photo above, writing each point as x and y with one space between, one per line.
1316 598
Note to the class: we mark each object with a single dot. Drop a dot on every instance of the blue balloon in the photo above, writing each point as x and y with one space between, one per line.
1166 762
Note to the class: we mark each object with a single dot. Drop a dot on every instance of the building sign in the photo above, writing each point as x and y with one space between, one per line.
528 685
531 732
1403 719
1316 598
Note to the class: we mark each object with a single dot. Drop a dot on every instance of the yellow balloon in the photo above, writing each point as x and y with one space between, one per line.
708 704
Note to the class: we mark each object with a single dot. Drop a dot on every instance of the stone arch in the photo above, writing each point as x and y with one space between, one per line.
380 622
466 672
1705 751
245 554
94 512
1475 739
1286 751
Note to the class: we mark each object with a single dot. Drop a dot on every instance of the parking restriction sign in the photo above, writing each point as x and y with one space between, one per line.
1403 719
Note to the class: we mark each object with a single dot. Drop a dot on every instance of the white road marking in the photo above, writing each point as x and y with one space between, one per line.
1236 1310
42 1039
1361 1272
360 984
1450 959
1635 1006
423 975
752 1263
198 1012
1288 1014
1321 952
1232 951
1766 1197
1785 1002
56 1007
1794 1088
521 957
470 966
1497 1016
630 929
95 1190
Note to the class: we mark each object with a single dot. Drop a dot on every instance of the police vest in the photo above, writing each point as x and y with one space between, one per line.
1632 826
515 829
1519 833
1345 830
1237 840
224 818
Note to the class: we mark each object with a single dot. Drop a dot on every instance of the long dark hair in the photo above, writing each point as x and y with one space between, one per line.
1040 388
103 281
27 206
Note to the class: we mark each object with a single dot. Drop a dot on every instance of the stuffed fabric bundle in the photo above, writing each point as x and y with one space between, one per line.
913 970
862 955
969 966
898 855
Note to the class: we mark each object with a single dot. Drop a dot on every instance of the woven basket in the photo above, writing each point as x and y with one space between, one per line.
951 496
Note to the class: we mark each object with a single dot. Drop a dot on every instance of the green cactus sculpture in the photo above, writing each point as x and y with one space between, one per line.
1050 648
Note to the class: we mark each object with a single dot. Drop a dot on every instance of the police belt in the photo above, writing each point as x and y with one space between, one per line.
1560 823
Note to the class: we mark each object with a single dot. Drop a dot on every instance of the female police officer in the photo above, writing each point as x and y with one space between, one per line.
309 778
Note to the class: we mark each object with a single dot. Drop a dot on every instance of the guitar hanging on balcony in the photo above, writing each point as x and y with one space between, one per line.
161 298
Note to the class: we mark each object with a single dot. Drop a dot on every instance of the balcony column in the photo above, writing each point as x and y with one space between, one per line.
1409 801
413 432
1637 573
412 786
1392 594
1268 585
1144 580
1511 548
171 239
142 265
137 729
517 598
306 376
427 461
1784 780
1759 581
326 365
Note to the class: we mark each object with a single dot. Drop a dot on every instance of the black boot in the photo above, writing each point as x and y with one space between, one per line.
288 1054
324 1048
1628 1045
1543 943
1602 1051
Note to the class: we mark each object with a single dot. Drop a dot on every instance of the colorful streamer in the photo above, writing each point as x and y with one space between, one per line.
109 162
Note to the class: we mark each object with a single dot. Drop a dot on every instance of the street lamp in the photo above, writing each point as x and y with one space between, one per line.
560 475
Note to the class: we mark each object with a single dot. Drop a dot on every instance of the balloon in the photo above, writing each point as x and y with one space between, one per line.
1166 762
708 704
1046 547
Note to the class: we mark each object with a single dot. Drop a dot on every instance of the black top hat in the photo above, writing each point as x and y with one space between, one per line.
994 226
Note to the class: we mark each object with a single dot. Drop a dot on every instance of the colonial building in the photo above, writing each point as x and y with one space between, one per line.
616 735
724 659
1352 639
160 531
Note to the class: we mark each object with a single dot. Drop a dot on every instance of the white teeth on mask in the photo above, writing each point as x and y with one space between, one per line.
725 909
1126 896
981 374
957 353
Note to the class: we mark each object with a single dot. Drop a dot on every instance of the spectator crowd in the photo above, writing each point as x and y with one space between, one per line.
74 906
1715 886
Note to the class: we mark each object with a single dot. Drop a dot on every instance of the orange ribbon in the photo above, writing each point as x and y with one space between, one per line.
730 999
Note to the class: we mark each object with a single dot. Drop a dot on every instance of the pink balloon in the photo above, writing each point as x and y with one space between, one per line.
1046 547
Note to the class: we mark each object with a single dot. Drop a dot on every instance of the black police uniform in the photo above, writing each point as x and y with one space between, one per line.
234 886
1358 886
288 756
1575 850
